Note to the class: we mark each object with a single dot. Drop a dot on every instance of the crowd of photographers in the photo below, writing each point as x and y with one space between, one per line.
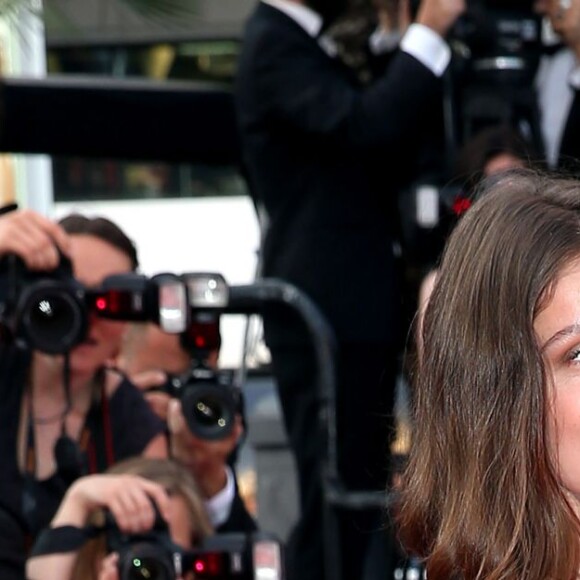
72 410
105 451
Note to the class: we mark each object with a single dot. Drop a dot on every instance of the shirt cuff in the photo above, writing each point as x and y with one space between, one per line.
574 79
220 505
427 47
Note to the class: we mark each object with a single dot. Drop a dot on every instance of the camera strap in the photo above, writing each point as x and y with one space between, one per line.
99 444
93 452
63 539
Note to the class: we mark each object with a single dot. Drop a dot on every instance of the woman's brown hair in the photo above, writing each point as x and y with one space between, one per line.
481 497
103 229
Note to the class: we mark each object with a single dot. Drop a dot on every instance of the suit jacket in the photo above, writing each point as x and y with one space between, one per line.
326 157
239 519
569 156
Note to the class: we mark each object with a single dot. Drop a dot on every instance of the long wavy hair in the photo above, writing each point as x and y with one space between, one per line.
481 497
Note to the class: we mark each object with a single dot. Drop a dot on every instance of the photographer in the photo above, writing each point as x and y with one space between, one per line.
148 355
130 491
325 159
63 415
558 84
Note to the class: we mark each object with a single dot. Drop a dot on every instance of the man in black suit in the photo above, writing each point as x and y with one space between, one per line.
325 159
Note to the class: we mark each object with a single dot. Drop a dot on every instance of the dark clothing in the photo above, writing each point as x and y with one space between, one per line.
239 519
569 158
326 158
132 426
312 143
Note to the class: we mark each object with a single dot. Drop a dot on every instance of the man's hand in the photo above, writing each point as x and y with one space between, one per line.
440 15
206 460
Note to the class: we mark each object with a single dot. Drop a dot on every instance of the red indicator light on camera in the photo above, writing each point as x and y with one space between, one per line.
461 205
101 304
208 566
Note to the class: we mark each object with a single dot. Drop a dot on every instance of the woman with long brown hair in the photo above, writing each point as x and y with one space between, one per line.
492 488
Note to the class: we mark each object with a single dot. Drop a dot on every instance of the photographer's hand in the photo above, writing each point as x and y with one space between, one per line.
206 460
440 15
109 567
128 497
158 401
33 237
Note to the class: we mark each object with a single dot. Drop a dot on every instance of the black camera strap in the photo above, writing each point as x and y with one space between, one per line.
99 444
63 539
93 452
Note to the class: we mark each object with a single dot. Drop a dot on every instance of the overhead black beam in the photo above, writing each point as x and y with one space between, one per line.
122 119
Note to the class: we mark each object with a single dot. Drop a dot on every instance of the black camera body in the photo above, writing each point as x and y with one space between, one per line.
497 46
150 554
209 400
233 556
42 310
49 310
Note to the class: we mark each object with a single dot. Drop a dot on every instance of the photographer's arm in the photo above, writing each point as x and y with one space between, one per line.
33 237
128 497
304 92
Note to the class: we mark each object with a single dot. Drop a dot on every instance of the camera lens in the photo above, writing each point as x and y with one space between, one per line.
146 561
53 318
209 409
148 568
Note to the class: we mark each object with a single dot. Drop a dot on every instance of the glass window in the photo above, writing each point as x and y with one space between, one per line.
87 179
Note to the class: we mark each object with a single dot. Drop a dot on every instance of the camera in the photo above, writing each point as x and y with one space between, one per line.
42 310
209 400
496 46
162 299
151 555
49 311
233 556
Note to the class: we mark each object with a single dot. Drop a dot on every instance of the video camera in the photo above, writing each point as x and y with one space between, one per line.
153 555
496 50
497 45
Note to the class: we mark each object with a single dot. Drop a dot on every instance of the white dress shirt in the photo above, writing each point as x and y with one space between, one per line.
419 41
555 94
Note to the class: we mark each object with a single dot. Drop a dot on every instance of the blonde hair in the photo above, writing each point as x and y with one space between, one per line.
175 479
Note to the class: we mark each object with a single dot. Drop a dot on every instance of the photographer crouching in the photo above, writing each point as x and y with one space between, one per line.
135 521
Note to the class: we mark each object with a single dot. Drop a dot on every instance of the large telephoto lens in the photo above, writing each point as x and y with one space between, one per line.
53 318
209 409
